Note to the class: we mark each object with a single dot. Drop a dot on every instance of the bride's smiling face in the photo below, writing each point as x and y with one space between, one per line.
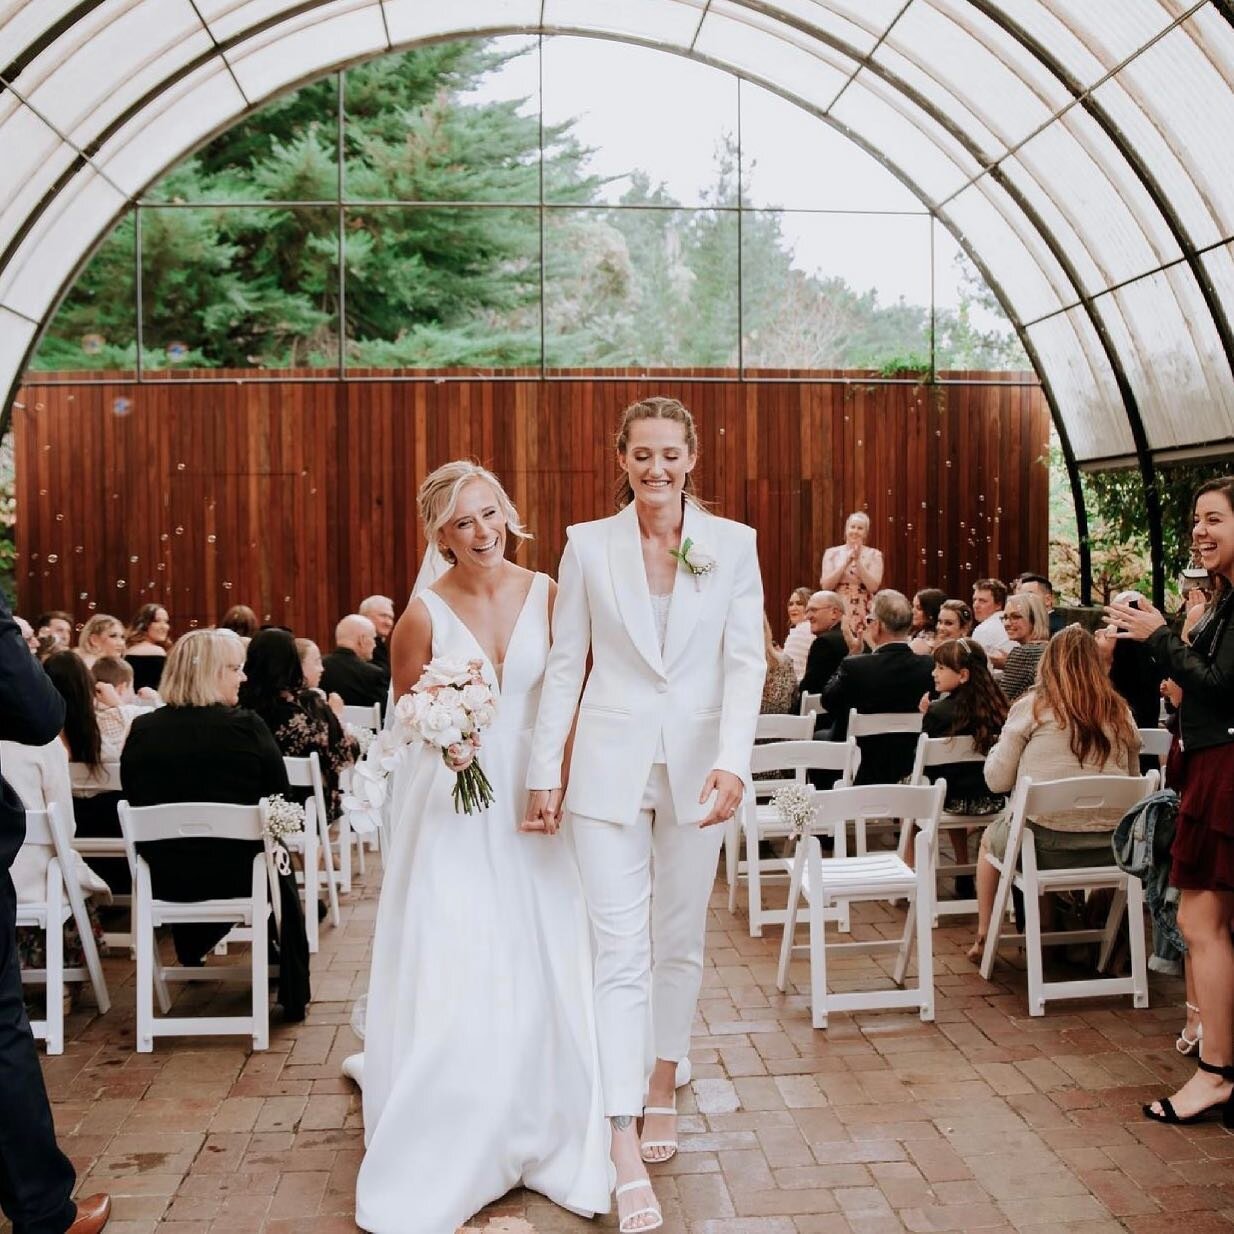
657 460
475 534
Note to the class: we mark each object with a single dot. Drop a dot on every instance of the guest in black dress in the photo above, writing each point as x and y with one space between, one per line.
201 746
148 641
1203 852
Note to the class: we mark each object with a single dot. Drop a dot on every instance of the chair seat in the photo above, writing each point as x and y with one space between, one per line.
36 915
874 874
174 912
1077 877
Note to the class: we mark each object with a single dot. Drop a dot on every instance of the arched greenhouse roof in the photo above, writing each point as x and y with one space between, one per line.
1079 149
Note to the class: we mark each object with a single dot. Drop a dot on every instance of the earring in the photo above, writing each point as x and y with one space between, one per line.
447 554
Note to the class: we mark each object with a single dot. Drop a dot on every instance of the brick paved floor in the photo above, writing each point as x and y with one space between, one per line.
985 1120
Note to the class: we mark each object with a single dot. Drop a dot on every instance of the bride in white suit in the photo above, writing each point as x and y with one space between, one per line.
668 601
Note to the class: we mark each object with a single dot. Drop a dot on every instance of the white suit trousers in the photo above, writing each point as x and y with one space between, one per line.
647 887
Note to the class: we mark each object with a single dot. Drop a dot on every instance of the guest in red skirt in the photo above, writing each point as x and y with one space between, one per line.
1203 852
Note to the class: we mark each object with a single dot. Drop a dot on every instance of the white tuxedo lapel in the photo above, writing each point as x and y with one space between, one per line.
689 591
625 559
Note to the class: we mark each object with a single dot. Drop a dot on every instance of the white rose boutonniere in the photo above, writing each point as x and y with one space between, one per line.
694 558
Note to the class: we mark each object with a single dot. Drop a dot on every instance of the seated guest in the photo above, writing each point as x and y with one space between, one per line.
301 720
989 596
799 637
55 624
148 641
201 746
39 775
955 620
926 607
102 635
1028 627
115 704
780 684
241 620
349 669
27 633
825 616
1073 723
893 679
380 611
1041 587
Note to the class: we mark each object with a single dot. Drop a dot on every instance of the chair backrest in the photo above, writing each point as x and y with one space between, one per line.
105 778
811 704
879 723
363 715
939 751
841 756
1113 794
188 820
304 772
46 827
1156 742
784 728
920 803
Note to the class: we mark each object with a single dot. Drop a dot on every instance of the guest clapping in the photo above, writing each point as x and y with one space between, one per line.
797 641
148 641
102 635
853 568
1028 628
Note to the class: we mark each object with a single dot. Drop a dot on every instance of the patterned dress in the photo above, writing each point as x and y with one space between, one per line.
303 724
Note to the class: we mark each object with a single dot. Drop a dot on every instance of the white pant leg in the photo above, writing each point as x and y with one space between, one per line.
615 864
684 873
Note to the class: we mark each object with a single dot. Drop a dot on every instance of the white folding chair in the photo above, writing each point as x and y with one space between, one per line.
313 844
829 883
105 778
760 821
198 821
811 704
1156 743
360 716
61 902
879 724
937 752
363 715
1113 796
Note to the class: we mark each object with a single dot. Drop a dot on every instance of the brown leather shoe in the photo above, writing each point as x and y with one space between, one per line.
92 1214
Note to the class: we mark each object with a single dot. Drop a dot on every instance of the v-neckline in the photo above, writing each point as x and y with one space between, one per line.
518 621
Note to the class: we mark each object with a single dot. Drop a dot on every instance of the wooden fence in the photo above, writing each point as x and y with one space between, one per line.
298 498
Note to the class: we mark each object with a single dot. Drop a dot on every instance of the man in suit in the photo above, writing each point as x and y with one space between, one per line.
893 679
825 613
349 671
36 1179
380 611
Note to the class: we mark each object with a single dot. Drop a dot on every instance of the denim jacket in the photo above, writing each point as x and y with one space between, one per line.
1141 845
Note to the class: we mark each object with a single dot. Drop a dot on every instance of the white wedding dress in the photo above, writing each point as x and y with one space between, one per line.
480 1064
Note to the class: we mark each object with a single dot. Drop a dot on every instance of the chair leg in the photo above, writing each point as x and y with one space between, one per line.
327 856
839 848
1032 948
360 854
344 856
754 881
732 858
54 940
143 936
1002 896
1114 919
1135 932
925 950
906 941
790 917
859 837
818 933
260 960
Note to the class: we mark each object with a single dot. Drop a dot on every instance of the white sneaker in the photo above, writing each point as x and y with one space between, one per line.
353 1069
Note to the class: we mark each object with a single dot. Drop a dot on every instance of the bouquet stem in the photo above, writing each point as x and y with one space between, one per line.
472 790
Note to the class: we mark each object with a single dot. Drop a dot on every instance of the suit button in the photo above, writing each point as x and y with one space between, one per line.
661 687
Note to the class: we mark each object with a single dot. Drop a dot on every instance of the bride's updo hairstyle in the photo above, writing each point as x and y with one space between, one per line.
438 499
655 408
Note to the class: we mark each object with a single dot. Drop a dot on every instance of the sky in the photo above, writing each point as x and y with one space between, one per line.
641 108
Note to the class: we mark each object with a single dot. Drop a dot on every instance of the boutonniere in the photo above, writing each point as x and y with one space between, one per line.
694 559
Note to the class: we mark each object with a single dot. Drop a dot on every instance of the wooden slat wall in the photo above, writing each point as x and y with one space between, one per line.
299 498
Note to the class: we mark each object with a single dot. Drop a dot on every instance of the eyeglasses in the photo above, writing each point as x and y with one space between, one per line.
1006 617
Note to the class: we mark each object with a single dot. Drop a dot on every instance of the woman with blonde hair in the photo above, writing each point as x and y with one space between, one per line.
479 1027
1073 723
854 569
1028 626
102 635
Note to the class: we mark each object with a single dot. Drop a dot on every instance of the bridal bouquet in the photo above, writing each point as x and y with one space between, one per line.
448 709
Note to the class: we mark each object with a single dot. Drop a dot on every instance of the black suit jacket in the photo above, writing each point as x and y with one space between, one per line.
381 655
892 679
31 713
356 682
826 653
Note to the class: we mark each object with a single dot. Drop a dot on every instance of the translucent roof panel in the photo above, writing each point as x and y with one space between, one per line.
36 158
413 19
16 334
860 23
655 20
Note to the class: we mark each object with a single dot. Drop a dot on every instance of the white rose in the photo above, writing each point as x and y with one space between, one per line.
476 696
444 672
699 560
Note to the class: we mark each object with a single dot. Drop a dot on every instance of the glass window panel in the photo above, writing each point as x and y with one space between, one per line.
286 150
829 291
239 288
764 48
36 274
407 139
413 19
647 289
665 21
1180 81
1173 358
1014 251
928 155
332 33
971 330
1073 362
200 104
442 287
637 148
95 327
793 160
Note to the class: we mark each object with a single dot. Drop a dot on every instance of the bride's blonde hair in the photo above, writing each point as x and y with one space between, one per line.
438 499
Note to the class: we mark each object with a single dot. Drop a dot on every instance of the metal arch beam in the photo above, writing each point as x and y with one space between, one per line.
838 45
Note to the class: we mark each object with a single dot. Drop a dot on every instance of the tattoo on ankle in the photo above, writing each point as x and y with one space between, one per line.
622 1121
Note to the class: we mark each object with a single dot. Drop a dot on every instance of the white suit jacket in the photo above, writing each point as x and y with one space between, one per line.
702 694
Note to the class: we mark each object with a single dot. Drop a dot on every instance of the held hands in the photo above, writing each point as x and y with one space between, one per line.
728 790
1136 623
543 811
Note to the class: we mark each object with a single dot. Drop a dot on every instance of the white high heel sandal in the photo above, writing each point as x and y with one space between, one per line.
670 1144
1189 1045
624 1226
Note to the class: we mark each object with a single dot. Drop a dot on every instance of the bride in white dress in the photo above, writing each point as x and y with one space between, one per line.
480 1063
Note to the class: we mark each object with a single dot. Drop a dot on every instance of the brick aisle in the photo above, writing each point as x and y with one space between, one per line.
985 1120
